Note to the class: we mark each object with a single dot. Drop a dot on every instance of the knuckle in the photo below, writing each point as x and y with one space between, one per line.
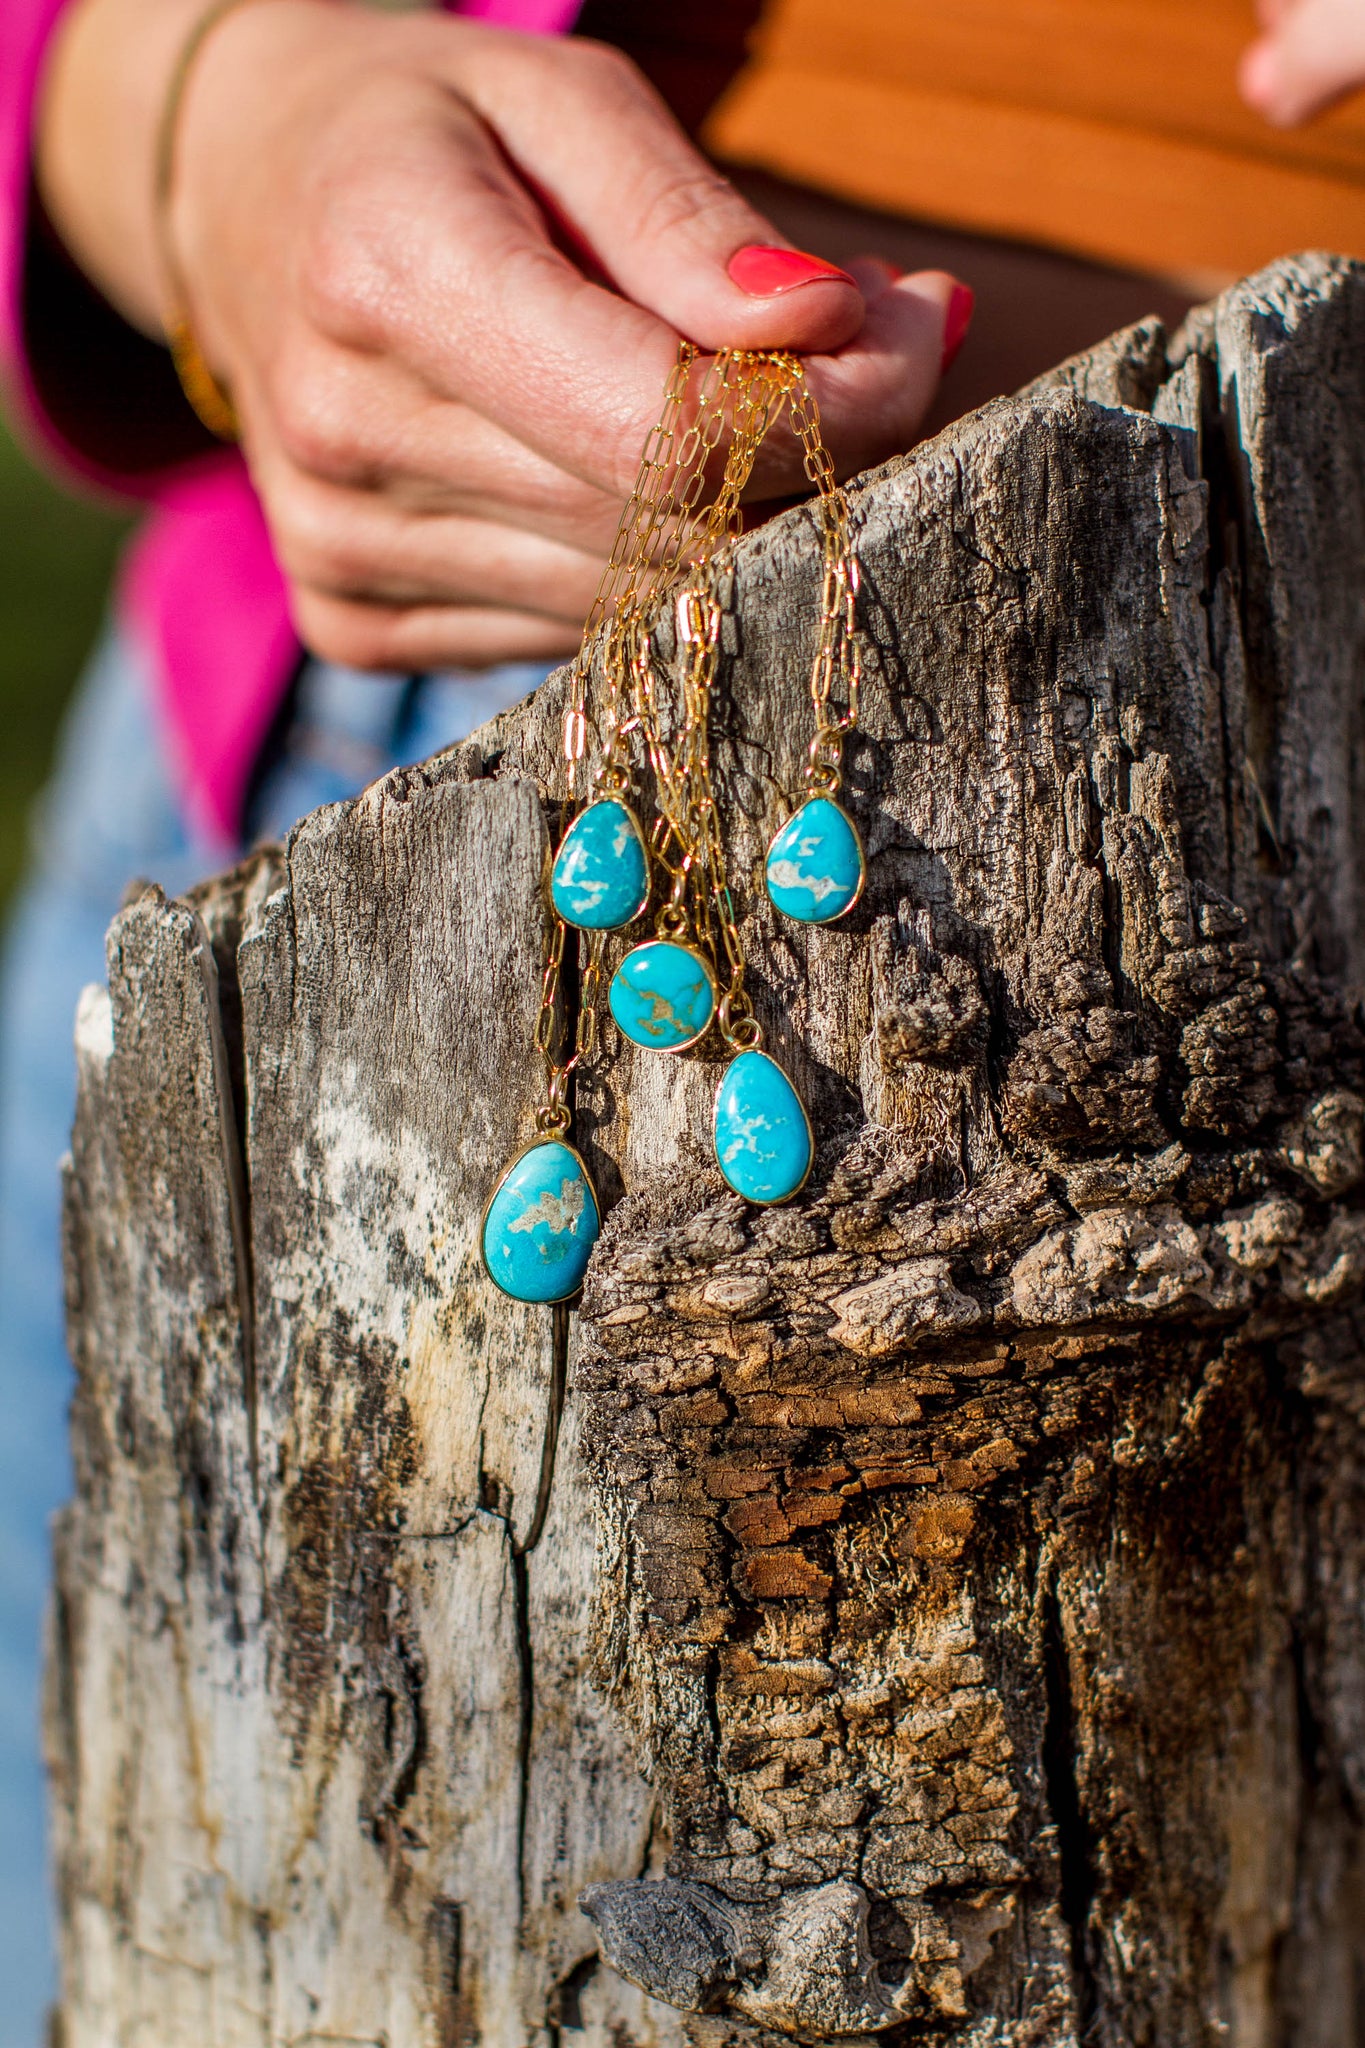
679 201
375 171
349 251
317 534
316 422
307 550
599 66
343 279
342 633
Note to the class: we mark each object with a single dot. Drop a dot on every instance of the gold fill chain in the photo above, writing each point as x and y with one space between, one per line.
668 540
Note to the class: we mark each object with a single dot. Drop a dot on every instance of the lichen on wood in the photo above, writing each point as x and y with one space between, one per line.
930 1612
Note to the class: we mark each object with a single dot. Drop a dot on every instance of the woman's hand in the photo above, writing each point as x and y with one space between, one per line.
1311 54
441 269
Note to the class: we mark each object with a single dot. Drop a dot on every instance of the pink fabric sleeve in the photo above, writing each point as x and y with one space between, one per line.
25 29
202 595
200 589
533 17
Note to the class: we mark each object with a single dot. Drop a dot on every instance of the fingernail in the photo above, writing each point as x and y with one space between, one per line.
956 323
764 273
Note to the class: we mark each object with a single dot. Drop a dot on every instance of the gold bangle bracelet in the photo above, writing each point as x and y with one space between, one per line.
205 393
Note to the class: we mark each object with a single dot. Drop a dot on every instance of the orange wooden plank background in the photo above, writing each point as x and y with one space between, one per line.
1111 128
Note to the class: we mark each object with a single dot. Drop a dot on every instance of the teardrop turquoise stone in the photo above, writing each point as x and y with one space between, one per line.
541 1224
600 878
815 864
763 1136
662 995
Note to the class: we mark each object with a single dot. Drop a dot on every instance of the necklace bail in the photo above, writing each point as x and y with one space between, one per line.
553 1116
738 1025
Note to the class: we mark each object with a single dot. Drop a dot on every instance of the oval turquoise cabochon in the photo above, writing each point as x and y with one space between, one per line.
662 995
763 1135
541 1224
815 865
600 878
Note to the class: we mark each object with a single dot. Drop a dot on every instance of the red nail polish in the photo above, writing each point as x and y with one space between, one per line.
764 273
956 322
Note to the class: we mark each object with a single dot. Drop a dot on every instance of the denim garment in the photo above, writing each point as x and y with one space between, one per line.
109 815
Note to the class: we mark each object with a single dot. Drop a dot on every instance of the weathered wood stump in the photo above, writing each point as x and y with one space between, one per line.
930 1612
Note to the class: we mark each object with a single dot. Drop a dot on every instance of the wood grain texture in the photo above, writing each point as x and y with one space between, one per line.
930 1612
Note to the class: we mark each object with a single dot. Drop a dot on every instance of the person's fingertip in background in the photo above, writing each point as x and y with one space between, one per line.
1256 77
1310 55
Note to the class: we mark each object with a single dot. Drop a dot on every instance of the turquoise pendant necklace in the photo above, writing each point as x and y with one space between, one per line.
664 994
762 1136
543 1217
815 868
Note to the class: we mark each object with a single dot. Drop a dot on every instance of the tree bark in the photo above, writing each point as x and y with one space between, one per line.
927 1613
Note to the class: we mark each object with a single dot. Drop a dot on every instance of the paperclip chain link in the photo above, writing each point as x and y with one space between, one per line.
837 667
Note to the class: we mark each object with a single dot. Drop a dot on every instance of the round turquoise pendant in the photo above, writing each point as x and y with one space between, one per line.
600 878
663 995
815 868
541 1224
763 1137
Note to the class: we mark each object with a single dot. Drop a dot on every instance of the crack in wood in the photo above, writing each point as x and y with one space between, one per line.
229 1079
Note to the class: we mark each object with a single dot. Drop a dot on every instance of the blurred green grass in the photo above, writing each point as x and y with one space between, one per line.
56 555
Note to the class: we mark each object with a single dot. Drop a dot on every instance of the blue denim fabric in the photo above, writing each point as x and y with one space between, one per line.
109 815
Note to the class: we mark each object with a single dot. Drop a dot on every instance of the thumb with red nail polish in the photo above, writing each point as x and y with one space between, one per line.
675 237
